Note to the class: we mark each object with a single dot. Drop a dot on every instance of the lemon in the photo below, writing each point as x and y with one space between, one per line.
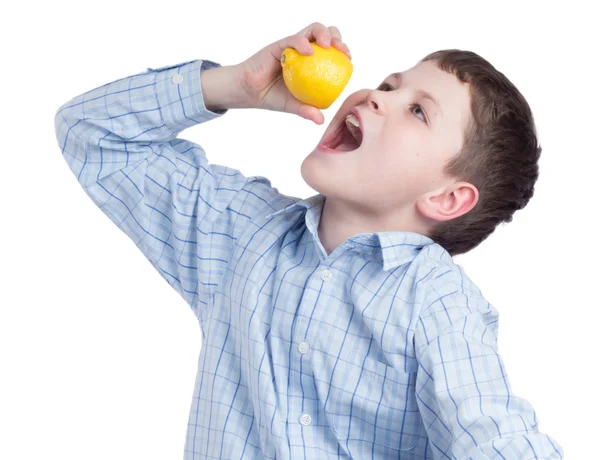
317 79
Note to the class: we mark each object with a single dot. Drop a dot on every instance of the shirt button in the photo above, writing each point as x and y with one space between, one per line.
303 347
176 79
326 275
305 419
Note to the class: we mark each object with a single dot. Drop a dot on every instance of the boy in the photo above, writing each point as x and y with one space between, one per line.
337 326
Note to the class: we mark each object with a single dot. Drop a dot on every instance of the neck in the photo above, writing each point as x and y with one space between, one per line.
341 220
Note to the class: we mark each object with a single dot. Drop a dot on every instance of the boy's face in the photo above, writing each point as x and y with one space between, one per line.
406 140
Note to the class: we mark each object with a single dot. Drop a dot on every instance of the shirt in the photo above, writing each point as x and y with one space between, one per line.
383 348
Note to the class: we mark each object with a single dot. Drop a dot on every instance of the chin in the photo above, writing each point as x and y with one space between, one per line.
312 174
323 180
321 177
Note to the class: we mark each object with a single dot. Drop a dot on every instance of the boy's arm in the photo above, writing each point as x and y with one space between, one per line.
463 393
184 214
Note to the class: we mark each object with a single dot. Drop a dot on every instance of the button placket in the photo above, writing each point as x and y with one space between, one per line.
304 347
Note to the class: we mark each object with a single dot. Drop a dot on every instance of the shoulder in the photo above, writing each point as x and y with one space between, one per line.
451 302
443 278
256 198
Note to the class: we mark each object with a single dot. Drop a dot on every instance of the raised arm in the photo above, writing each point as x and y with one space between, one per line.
120 141
185 214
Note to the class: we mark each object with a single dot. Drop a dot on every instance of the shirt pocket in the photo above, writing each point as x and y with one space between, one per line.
372 402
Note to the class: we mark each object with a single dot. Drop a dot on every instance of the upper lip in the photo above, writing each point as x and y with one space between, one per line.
355 112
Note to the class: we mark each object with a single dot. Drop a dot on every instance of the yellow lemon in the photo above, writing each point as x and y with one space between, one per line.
317 79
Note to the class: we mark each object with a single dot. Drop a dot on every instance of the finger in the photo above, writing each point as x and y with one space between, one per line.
336 43
311 113
319 33
296 107
298 42
335 32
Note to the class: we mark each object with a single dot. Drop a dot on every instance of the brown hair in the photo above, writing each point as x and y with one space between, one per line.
499 156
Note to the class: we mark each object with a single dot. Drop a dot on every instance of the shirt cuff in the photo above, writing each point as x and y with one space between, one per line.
179 93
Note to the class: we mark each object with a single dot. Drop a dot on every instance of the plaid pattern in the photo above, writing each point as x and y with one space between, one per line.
382 349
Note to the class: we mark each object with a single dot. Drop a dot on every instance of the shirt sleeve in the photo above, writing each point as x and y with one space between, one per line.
184 214
463 393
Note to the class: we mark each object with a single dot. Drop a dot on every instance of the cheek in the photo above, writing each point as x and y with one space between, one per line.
403 149
404 136
403 162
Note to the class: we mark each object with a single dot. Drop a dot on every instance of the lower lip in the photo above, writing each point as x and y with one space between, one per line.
323 148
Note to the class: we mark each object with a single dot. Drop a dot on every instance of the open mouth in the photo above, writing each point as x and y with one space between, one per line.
346 137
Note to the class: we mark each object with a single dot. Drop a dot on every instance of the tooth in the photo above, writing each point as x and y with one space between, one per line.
352 119
353 127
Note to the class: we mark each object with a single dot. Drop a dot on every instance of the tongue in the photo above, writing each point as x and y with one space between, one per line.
347 143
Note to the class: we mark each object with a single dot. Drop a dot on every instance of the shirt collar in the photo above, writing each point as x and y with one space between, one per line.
396 248
301 205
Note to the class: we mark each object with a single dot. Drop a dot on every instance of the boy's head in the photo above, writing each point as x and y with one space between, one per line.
451 166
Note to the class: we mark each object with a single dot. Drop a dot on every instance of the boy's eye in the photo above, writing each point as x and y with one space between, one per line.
387 87
417 106
384 87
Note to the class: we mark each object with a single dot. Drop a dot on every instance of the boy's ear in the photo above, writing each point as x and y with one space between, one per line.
448 203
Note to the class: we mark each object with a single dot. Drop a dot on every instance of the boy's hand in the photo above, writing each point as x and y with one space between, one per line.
262 80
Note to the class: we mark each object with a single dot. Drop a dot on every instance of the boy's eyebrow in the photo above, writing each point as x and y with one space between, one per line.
398 77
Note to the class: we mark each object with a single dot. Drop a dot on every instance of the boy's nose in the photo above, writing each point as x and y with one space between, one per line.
374 101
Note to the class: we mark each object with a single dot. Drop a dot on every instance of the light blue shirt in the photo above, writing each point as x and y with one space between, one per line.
382 349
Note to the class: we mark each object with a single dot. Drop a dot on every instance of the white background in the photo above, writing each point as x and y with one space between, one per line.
98 353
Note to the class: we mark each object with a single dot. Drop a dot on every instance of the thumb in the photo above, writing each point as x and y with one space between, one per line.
309 112
297 107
